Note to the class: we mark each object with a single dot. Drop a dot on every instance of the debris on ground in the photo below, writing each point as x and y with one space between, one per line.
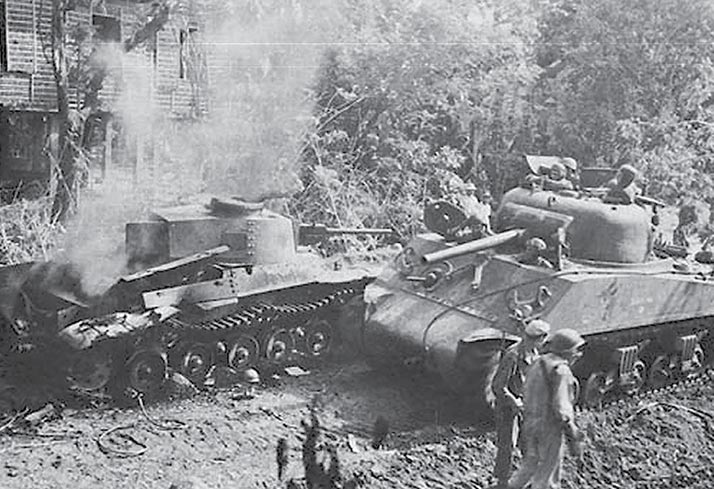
296 371
659 442
180 386
41 415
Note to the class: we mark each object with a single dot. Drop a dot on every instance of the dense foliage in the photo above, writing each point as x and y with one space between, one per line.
413 100
418 93
361 110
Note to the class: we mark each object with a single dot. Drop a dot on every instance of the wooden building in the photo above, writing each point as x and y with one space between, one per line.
164 75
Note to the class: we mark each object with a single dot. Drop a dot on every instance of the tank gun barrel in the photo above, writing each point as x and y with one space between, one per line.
312 232
641 199
474 246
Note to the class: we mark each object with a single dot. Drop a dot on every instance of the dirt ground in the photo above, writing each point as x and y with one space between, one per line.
226 441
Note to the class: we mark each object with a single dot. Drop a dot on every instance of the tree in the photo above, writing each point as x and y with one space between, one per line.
410 99
632 81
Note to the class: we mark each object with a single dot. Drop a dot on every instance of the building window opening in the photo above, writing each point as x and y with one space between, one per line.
106 29
187 54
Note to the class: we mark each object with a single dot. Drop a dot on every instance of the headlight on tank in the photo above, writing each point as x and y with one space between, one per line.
374 296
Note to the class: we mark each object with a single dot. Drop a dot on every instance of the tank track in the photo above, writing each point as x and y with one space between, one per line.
649 394
267 333
270 330
263 313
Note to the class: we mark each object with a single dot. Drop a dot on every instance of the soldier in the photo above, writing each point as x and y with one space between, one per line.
535 249
557 178
507 386
549 413
477 223
623 188
571 169
686 226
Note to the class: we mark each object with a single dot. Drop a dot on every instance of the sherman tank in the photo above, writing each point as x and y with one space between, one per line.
228 283
581 258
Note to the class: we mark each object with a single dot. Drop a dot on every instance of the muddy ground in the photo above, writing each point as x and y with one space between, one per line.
226 441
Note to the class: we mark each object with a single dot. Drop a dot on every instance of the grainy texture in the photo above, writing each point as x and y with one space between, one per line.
432 441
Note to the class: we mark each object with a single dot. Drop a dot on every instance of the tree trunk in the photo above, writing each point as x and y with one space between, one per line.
64 200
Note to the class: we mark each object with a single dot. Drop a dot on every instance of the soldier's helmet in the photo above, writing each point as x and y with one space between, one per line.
537 328
570 164
626 174
536 245
454 185
565 340
251 376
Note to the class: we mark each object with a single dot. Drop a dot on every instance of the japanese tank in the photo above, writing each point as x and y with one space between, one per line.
227 283
582 258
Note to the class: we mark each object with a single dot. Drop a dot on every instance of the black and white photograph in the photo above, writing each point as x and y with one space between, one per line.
344 244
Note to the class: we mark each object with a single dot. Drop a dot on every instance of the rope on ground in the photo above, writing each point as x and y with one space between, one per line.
106 448
167 425
109 450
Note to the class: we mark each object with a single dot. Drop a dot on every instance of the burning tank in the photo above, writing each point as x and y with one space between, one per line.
226 284
576 257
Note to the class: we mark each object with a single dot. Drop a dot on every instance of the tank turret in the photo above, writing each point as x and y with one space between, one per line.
253 234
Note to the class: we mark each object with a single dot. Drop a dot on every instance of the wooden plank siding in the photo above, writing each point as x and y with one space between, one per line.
27 82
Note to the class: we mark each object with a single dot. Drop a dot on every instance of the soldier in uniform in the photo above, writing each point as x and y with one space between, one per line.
571 170
507 387
535 249
549 413
477 223
686 226
623 188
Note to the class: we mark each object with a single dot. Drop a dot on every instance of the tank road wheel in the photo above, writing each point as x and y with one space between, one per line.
279 345
698 358
595 388
661 372
319 338
90 371
637 379
243 352
195 360
146 371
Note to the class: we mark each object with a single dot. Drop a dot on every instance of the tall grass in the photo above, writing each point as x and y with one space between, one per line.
28 231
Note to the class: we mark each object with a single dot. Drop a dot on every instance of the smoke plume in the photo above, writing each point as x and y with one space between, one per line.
249 67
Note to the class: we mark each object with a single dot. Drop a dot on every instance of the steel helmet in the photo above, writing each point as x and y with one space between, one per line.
536 244
565 340
569 163
251 376
537 328
626 175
